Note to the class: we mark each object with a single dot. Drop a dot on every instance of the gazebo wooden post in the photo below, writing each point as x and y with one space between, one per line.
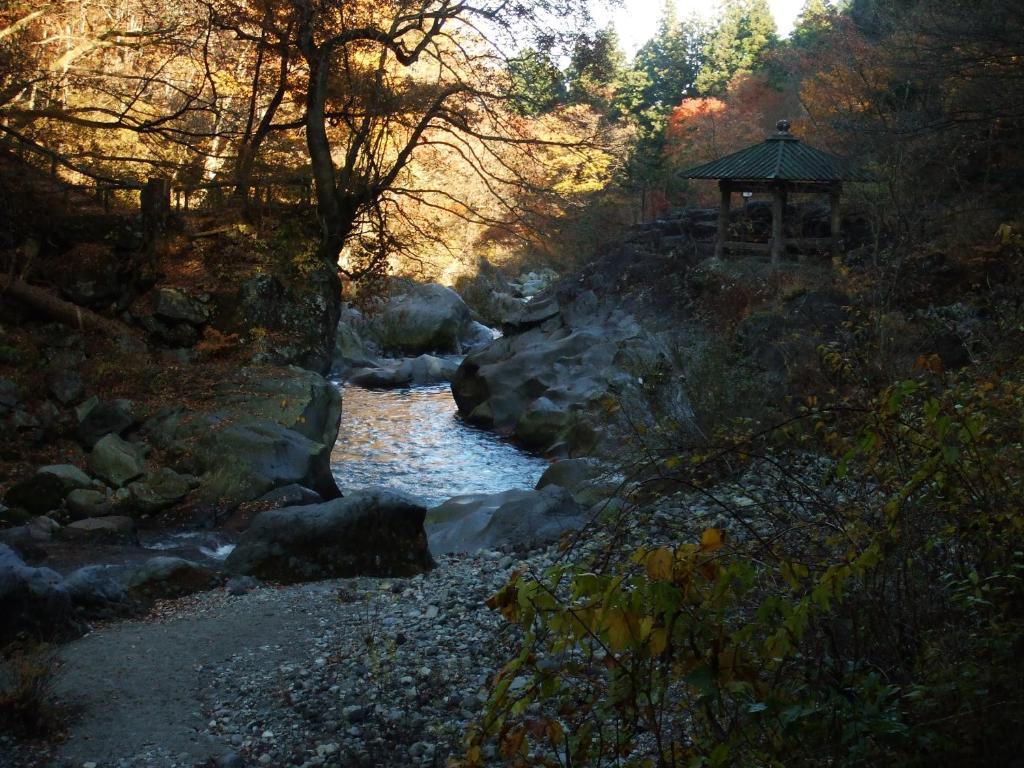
723 217
835 219
778 238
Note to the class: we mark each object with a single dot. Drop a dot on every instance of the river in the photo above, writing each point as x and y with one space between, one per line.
412 440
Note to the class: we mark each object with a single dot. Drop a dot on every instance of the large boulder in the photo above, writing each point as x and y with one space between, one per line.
179 304
407 372
166 577
158 491
33 601
266 429
421 318
87 502
250 457
95 586
97 418
47 488
550 383
518 520
369 533
296 323
351 350
588 480
111 529
116 461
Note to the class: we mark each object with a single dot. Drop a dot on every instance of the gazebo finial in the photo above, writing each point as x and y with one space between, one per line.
782 126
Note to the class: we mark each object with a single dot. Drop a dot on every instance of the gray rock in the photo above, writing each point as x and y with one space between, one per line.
301 400
157 491
33 601
421 318
477 336
116 461
516 519
531 314
248 459
290 496
372 532
549 387
418 371
112 528
97 418
96 585
351 350
163 577
85 502
179 304
589 481
240 585
47 488
66 385
231 760
265 430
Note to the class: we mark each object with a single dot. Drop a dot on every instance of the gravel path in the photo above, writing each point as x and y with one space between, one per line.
357 672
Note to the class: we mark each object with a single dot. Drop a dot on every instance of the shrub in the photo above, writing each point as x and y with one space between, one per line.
28 706
873 615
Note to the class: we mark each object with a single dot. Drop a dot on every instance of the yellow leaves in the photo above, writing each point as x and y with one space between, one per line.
658 641
659 564
712 539
506 600
620 633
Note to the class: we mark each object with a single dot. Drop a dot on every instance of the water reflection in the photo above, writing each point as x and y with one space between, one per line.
412 440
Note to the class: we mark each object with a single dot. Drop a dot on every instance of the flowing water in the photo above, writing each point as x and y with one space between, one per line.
412 440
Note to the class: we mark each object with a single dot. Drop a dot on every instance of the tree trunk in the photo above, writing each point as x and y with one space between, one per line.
64 311
337 217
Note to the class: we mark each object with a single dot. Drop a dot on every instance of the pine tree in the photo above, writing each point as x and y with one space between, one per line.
536 83
596 66
746 30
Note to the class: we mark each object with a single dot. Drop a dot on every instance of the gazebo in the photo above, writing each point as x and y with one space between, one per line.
781 164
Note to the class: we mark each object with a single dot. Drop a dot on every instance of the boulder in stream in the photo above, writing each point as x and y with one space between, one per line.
368 533
416 371
267 428
517 519
420 318
33 601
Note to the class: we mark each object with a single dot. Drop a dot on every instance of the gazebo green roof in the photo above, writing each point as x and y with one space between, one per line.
780 157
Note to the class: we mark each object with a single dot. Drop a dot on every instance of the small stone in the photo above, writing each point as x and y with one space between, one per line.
265 759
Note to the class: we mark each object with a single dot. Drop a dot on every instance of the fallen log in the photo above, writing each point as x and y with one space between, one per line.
63 311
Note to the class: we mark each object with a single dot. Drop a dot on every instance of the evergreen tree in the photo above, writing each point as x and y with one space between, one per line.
746 30
536 83
596 66
814 21
671 59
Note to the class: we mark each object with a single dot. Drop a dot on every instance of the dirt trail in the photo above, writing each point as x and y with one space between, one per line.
140 683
